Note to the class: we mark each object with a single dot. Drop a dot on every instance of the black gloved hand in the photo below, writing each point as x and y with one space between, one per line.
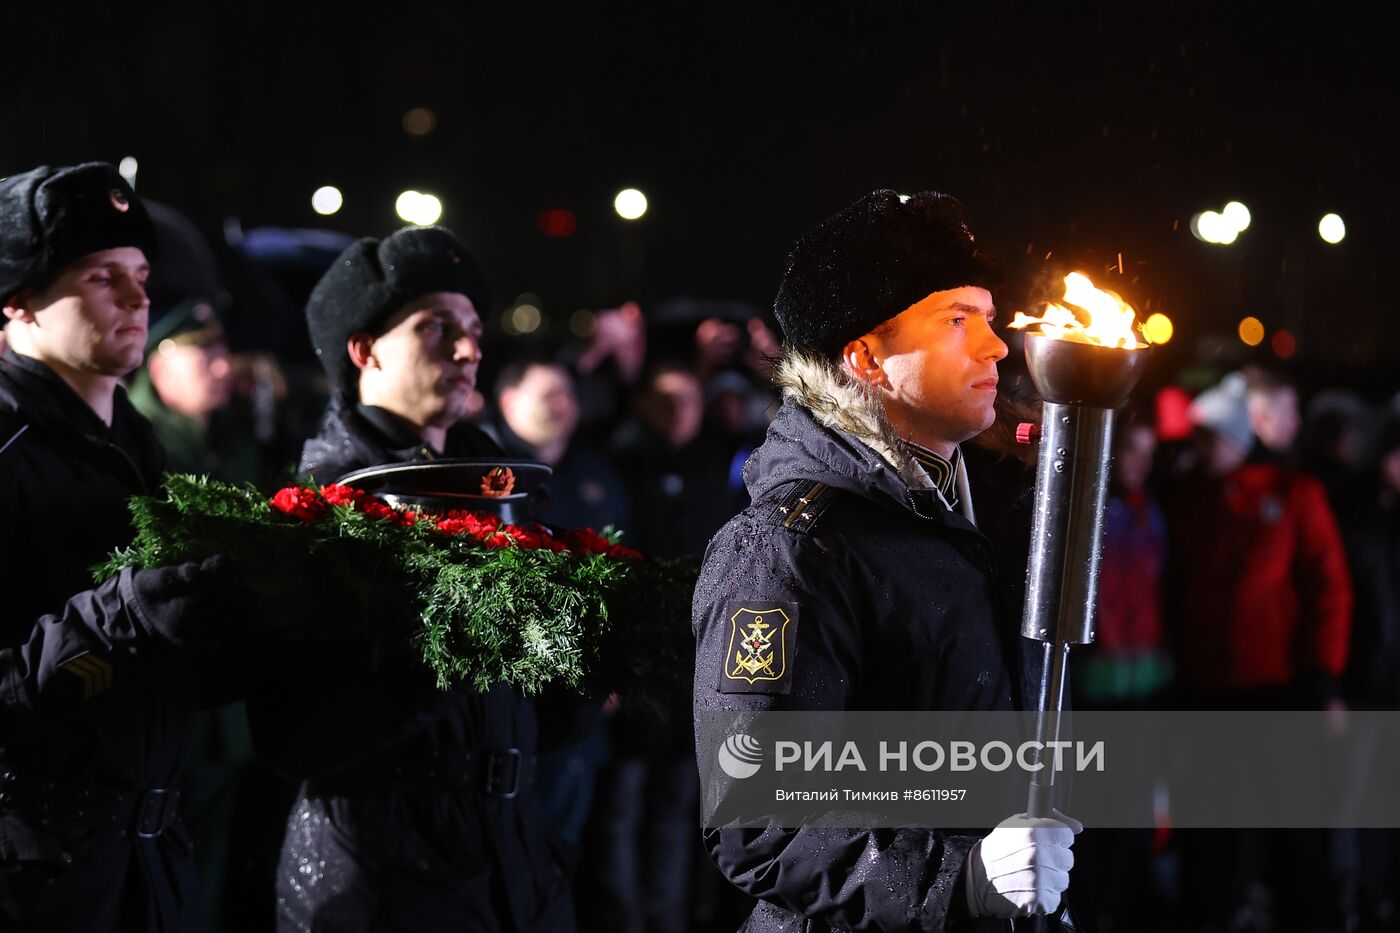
194 603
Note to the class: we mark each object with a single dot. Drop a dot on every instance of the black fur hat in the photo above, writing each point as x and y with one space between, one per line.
374 278
872 260
50 217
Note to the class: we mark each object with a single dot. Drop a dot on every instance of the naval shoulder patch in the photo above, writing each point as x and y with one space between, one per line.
94 672
759 647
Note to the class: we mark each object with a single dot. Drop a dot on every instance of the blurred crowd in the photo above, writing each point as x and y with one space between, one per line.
1251 561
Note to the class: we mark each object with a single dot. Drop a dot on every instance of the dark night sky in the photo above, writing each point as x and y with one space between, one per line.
1079 130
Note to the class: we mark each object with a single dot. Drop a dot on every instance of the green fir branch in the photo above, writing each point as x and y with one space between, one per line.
476 615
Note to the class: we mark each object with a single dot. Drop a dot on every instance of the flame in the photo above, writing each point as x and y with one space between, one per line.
1111 320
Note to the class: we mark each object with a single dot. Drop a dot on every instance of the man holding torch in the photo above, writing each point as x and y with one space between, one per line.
861 530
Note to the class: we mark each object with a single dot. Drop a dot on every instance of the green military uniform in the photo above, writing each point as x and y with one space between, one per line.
223 446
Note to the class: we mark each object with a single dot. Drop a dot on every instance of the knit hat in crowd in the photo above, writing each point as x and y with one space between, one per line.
50 217
1224 409
372 279
872 260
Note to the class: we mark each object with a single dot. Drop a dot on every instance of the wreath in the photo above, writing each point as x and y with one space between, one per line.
482 602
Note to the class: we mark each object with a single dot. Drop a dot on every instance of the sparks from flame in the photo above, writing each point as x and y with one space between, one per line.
1111 320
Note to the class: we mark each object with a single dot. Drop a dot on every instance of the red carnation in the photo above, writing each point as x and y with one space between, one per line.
619 552
460 521
452 526
481 526
336 494
376 508
286 500
546 539
585 541
299 502
534 538
529 538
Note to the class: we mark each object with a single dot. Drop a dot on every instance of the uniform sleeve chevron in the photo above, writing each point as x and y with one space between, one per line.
94 672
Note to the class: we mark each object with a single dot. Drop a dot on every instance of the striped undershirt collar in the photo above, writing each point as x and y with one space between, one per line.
940 469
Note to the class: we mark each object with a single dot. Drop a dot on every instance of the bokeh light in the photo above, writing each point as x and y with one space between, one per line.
582 323
1211 227
326 200
1157 328
559 222
525 318
630 204
1332 229
420 121
1220 227
415 207
1251 331
1237 216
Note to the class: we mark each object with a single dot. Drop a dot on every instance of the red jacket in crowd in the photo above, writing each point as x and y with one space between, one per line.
1264 598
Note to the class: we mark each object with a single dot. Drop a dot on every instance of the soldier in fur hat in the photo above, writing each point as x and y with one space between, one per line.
94 698
416 812
889 364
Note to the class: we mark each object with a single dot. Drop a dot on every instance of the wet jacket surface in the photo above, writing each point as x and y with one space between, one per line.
893 602
394 827
93 710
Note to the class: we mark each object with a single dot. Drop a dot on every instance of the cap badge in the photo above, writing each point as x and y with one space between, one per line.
498 483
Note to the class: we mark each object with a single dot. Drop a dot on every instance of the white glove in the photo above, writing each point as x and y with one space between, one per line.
1021 867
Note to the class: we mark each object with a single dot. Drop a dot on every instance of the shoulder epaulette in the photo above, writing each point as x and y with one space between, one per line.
803 504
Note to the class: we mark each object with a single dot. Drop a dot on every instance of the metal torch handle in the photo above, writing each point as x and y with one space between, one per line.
1071 491
1062 575
1054 680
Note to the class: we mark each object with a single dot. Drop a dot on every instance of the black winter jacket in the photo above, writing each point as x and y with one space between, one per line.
394 828
891 596
93 707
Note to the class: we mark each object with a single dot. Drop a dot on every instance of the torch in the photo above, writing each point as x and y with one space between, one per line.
1084 357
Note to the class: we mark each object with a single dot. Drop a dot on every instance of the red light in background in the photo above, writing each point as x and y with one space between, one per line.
558 222
1283 344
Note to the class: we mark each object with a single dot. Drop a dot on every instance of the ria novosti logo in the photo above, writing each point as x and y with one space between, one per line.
740 756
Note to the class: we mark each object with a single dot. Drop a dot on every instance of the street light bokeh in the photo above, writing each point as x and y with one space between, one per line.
1251 331
1158 329
1331 229
1237 215
1221 227
630 204
326 200
417 208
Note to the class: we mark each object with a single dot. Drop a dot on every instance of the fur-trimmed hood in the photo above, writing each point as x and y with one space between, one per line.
832 430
